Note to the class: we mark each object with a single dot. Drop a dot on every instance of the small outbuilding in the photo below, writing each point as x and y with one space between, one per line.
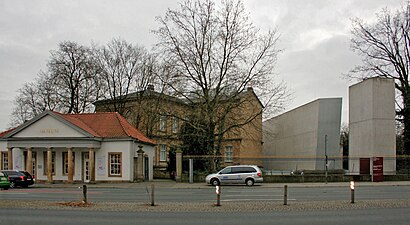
91 147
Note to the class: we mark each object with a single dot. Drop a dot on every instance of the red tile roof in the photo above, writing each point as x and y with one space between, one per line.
105 125
6 132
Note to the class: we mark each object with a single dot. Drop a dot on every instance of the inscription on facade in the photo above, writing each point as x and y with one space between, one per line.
49 131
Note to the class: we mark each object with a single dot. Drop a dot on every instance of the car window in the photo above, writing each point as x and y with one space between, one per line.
13 173
250 170
243 169
26 173
226 170
237 170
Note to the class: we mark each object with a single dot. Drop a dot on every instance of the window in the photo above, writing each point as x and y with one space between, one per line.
228 154
53 163
227 170
115 163
244 170
5 161
33 166
65 162
162 123
162 153
174 125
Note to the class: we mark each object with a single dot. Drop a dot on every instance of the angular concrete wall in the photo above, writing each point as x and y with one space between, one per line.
295 140
372 131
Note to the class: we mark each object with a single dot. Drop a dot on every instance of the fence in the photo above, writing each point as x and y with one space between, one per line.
397 167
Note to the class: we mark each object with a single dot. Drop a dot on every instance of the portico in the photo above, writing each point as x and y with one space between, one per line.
76 148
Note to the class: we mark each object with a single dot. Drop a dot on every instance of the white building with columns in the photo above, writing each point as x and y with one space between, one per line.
93 147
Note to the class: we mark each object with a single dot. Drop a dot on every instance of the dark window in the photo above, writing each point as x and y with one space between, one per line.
243 170
13 173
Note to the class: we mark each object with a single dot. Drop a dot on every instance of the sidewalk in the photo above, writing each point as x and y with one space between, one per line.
202 185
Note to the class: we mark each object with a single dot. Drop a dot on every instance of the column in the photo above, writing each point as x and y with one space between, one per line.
70 178
49 165
29 161
140 164
178 177
10 157
91 167
1 159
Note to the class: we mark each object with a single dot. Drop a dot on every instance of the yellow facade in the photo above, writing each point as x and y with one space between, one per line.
160 118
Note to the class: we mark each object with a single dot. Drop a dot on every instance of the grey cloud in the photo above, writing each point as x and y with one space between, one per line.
30 29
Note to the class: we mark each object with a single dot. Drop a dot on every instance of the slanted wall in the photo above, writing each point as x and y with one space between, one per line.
296 139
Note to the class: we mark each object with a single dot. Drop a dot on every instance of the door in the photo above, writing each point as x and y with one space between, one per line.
135 168
34 166
227 176
364 166
86 163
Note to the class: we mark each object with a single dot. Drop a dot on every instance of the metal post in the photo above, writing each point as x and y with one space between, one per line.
84 193
152 195
352 192
285 195
191 171
218 195
326 159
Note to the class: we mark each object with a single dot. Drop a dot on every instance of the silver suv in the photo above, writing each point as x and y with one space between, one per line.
242 174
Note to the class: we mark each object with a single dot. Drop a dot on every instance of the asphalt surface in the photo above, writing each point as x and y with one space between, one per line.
56 217
173 184
364 211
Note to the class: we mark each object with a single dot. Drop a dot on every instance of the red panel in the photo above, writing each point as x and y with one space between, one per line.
378 169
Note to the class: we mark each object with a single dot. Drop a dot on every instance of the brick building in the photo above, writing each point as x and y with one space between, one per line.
160 117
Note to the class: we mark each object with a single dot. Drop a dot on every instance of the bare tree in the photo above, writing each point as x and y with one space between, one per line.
70 84
217 53
385 50
125 68
344 143
75 73
34 98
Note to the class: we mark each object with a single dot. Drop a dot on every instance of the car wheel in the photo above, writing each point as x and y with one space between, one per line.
249 182
215 182
12 185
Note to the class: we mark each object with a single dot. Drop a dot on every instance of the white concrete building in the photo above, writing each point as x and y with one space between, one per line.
94 147
372 131
301 138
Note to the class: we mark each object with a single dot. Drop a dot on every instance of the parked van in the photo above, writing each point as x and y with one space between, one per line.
241 174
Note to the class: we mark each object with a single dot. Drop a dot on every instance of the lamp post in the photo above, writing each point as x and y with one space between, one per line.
326 158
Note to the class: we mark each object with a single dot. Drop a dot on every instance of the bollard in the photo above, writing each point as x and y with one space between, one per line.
352 192
84 194
285 195
218 195
152 195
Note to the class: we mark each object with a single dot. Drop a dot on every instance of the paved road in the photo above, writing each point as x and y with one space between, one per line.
395 216
207 194
192 204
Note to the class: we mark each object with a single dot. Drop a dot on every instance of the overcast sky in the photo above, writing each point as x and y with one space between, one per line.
315 37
